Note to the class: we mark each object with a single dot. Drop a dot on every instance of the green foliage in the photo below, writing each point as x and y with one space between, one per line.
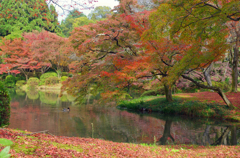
136 104
100 12
178 106
32 94
5 142
33 82
17 17
48 98
10 81
52 80
64 78
20 83
223 85
64 98
199 24
67 25
154 92
20 92
45 76
4 105
4 152
65 74
19 77
81 21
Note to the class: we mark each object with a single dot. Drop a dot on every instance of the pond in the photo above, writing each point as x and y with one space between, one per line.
37 111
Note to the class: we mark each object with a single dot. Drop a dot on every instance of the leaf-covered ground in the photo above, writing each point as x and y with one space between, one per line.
214 97
44 145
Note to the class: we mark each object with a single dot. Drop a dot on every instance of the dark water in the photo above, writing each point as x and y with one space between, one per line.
37 111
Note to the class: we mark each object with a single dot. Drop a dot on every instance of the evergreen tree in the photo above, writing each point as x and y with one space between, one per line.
100 12
18 16
67 24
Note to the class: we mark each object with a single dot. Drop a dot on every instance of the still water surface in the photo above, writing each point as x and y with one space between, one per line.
37 111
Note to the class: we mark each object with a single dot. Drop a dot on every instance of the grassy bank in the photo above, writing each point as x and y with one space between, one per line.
44 145
181 106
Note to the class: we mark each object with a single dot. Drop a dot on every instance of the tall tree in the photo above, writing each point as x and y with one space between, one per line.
17 57
105 49
26 15
112 56
234 38
82 21
200 24
67 24
99 13
49 49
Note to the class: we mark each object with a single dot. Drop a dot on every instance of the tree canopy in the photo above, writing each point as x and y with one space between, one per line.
100 12
67 24
26 15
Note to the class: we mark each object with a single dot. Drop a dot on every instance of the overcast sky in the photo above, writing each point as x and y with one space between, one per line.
110 3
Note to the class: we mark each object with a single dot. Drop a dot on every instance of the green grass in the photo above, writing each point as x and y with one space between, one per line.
178 106
137 103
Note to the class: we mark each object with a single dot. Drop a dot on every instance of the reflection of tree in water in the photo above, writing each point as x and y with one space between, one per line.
48 98
119 126
122 126
32 94
228 136
20 92
213 135
166 133
81 127
115 125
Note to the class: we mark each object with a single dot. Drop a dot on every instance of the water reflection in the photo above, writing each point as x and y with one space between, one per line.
36 111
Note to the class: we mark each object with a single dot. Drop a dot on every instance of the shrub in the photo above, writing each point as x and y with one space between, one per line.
154 92
64 78
10 81
20 77
52 80
66 74
4 105
20 83
45 76
33 82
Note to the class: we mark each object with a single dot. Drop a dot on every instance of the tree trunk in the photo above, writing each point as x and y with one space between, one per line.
168 93
224 73
224 97
207 74
26 77
235 70
216 89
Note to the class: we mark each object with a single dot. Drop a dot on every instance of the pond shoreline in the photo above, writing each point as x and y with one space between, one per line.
27 144
183 104
56 87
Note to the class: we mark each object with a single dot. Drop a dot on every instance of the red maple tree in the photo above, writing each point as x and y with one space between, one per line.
17 57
